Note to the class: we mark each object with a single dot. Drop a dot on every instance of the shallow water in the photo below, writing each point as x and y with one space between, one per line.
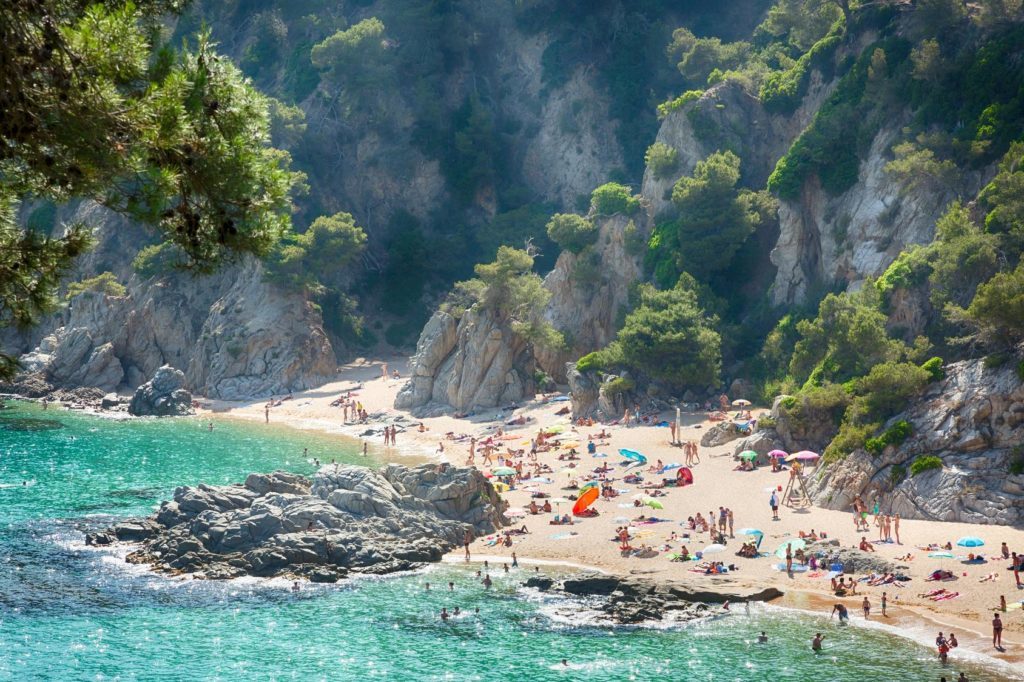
69 612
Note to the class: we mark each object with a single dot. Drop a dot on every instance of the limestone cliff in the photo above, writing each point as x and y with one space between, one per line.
234 335
471 363
973 421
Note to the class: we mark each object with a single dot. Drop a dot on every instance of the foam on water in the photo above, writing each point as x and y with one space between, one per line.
72 612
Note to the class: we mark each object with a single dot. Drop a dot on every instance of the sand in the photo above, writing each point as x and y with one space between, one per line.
590 541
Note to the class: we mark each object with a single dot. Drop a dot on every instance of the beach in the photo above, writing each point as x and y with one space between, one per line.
717 483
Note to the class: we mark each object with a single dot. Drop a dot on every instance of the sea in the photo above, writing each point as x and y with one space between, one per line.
72 612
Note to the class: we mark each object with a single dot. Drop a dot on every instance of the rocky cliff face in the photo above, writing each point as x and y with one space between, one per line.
591 311
973 421
234 335
471 363
348 518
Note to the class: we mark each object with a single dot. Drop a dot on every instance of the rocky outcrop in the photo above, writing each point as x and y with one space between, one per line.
348 518
234 335
802 426
162 396
973 421
630 600
475 363
591 311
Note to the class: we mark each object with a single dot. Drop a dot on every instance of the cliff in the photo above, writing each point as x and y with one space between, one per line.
234 335
973 422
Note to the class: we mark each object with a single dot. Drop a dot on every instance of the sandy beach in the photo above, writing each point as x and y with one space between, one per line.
717 483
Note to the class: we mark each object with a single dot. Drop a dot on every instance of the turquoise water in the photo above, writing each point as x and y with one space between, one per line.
68 612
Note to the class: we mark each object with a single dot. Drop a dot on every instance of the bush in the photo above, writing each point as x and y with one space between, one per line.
926 463
591 362
571 232
782 91
611 198
666 108
661 159
894 435
766 423
158 259
619 385
897 474
850 437
104 283
888 387
934 369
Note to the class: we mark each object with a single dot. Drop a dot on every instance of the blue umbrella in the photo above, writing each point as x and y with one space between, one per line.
970 541
633 455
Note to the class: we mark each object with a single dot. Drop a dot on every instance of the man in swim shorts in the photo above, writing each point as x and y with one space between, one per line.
816 642
844 615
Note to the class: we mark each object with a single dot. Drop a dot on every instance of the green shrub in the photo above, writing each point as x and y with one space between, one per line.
782 91
996 360
895 435
158 259
611 198
666 108
571 232
766 423
634 240
934 369
104 283
850 437
591 362
619 385
789 402
888 387
897 474
661 159
926 463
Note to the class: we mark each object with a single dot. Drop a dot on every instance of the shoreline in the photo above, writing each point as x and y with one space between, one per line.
588 550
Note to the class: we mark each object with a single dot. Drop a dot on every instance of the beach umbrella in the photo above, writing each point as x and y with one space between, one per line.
940 555
778 454
633 455
586 498
570 444
970 541
589 484
750 531
740 403
558 500
796 544
504 471
558 428
804 456
713 549
653 503
513 512
748 454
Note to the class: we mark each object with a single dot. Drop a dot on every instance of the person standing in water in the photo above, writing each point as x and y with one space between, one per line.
816 642
867 607
266 414
997 631
885 600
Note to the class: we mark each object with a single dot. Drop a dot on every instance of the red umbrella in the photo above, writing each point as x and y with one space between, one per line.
586 498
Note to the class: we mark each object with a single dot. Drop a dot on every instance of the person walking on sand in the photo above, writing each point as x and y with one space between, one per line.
774 502
885 600
466 539
696 452
997 631
728 513
896 528
384 371
266 414
866 605
672 429
789 559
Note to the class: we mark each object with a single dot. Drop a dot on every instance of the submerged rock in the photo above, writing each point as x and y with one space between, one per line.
163 396
348 518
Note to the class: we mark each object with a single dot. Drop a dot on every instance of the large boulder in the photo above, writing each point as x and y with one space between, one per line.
346 518
162 396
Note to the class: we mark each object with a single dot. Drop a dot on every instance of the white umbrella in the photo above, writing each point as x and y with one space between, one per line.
713 549
741 403
515 511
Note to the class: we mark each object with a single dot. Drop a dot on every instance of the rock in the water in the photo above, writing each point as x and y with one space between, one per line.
348 518
163 396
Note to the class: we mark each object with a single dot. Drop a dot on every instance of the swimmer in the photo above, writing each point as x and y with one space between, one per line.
295 587
451 587
487 581
457 611
763 639
444 614
816 642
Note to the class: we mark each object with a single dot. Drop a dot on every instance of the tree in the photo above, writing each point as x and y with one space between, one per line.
353 58
801 23
845 340
933 17
611 198
1004 197
315 260
714 218
963 256
998 307
917 167
928 64
513 292
91 106
661 159
669 337
571 232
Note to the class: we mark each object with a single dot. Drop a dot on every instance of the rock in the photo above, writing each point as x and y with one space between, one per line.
966 421
100 539
542 584
719 434
762 442
480 364
346 518
584 390
163 396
